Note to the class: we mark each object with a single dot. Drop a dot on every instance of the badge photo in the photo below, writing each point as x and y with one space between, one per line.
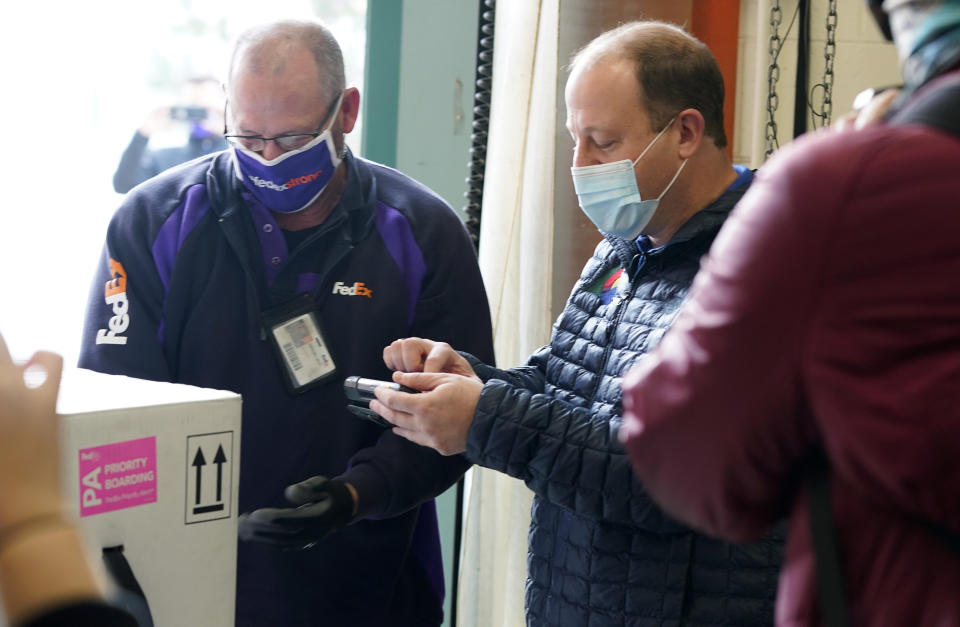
299 344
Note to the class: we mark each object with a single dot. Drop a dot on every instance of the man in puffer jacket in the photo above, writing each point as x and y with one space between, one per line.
644 108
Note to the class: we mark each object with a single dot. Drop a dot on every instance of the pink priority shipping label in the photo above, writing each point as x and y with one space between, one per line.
118 476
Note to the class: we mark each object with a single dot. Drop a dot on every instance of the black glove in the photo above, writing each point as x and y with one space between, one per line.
324 506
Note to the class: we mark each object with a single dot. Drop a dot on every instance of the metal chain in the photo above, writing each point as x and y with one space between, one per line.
829 55
773 75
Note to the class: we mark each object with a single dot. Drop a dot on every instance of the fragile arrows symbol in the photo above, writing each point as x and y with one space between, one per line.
219 459
199 462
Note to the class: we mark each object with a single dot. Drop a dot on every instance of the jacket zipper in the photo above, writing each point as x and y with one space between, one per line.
254 296
617 318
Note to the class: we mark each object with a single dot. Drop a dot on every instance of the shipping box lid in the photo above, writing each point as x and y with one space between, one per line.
85 391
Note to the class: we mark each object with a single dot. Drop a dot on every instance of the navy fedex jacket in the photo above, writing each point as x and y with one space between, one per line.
190 262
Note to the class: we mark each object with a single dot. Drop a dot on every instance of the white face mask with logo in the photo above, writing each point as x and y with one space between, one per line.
609 196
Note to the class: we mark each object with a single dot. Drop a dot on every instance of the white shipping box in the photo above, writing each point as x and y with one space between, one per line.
154 468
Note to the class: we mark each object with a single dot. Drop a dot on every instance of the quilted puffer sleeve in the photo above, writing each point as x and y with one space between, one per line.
565 454
529 376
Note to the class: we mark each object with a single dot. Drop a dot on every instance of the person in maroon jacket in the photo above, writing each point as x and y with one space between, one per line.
827 318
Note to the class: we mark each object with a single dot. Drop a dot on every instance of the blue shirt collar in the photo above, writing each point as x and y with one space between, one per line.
744 177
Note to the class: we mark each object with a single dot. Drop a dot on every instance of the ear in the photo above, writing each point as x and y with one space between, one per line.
691 125
350 108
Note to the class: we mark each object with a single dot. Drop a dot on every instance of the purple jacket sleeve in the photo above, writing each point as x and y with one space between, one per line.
122 322
83 613
396 474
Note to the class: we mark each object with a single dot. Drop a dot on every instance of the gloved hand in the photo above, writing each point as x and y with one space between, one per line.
324 506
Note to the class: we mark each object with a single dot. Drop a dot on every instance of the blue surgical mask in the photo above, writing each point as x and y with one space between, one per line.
292 181
609 196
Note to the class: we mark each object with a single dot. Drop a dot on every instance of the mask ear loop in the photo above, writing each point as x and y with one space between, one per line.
650 145
333 113
670 184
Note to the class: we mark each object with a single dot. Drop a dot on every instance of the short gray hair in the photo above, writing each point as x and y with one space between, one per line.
265 48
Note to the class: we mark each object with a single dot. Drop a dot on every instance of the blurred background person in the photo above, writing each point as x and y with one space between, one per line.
196 119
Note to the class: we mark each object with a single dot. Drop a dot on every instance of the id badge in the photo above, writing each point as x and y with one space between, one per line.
297 338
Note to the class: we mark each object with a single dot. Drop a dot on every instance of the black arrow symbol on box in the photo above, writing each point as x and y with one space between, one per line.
199 462
219 459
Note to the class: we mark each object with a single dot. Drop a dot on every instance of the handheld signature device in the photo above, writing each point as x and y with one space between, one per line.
359 391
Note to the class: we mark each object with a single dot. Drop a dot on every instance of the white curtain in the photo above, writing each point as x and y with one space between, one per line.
516 252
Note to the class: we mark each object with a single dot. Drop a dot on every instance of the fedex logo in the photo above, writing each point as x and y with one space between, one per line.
357 289
115 296
297 180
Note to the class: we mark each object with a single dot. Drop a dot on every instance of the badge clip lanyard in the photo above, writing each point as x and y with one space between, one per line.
298 341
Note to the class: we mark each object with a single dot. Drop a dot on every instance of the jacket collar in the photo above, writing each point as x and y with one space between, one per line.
707 220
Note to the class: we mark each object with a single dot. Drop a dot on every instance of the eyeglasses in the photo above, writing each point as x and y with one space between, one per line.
292 141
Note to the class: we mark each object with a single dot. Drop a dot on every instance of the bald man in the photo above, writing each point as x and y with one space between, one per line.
275 269
645 112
